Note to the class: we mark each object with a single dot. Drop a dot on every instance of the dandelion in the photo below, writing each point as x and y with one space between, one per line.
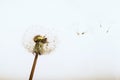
39 41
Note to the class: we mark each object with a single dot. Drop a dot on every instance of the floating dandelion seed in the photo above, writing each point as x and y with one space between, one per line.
82 33
39 41
100 25
108 30
78 33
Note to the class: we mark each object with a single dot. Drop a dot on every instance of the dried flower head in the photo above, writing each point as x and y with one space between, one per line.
41 40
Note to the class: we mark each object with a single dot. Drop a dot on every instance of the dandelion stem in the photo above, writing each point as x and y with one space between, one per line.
33 67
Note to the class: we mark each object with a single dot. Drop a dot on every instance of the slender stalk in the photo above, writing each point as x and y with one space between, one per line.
33 67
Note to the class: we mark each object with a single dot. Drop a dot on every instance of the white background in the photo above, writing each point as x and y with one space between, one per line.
94 55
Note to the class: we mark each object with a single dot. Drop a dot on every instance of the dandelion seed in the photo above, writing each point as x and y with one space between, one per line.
107 30
78 33
83 33
100 25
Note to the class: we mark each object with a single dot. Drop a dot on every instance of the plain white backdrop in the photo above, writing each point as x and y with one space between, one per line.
94 54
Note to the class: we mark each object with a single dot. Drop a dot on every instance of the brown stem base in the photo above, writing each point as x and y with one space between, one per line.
33 67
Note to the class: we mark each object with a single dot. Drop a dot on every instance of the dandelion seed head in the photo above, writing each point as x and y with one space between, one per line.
36 33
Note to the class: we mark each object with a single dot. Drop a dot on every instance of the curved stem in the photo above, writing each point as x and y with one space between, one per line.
33 67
